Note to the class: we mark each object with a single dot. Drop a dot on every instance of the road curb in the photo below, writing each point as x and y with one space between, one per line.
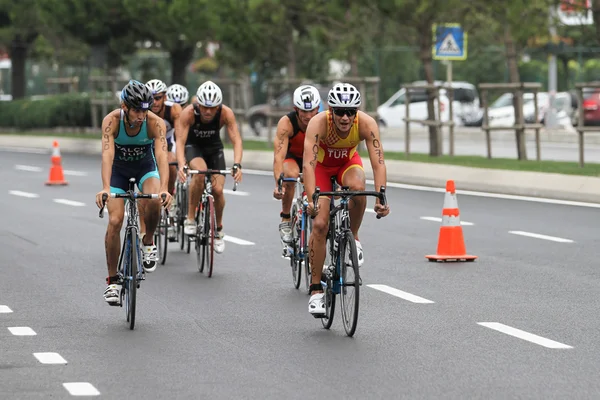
522 183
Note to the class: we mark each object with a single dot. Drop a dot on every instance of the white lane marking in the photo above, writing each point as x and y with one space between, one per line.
74 173
50 358
25 150
22 331
237 240
258 172
29 168
236 193
81 389
530 337
401 294
538 236
438 219
69 202
5 309
23 194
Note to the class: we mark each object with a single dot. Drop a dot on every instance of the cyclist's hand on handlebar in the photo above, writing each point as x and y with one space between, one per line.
312 210
99 197
237 174
277 194
166 203
181 174
381 211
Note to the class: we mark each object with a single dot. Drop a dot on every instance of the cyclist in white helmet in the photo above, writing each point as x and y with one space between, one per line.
177 93
331 149
199 143
289 149
170 112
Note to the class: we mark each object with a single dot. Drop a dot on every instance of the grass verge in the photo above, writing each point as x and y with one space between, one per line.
558 167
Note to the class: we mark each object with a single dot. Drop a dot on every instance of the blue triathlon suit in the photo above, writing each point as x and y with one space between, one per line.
134 158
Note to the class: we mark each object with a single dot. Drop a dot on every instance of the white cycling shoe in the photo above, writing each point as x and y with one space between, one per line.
316 305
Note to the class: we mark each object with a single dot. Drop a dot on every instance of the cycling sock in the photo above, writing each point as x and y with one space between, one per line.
112 279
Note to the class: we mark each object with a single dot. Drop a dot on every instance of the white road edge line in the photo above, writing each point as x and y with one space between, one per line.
236 193
28 168
238 241
50 358
69 202
438 219
74 173
530 337
539 236
24 194
17 149
401 294
464 192
81 389
5 309
22 331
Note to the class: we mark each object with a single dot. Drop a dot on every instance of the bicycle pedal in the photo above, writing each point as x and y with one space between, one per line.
319 316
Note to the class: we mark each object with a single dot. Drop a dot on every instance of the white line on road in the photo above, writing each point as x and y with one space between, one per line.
258 172
236 193
538 236
29 168
25 150
530 337
69 202
74 173
437 219
401 294
22 331
237 240
50 358
23 194
81 389
5 309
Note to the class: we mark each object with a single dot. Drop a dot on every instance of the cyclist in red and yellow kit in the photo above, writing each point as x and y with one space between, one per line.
330 149
289 149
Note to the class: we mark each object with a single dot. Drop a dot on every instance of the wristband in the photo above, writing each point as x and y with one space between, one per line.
237 165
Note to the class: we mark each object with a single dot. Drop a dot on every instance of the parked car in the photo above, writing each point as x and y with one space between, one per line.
464 106
257 114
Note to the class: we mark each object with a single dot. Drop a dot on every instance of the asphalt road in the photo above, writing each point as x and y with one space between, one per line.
246 332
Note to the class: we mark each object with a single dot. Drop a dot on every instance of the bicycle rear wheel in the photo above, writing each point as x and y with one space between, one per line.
329 305
305 249
295 260
210 230
161 236
350 280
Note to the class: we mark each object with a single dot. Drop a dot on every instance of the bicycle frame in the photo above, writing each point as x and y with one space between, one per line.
302 203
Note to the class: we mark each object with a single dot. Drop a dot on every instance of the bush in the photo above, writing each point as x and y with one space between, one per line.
64 110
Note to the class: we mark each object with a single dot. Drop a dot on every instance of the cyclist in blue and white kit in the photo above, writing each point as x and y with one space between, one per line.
133 146
168 111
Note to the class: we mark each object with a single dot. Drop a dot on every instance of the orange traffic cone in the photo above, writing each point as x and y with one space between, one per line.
451 243
56 172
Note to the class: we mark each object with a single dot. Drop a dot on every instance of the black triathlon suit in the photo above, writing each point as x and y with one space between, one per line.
204 140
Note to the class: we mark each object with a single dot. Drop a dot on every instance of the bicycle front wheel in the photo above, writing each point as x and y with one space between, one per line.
350 281
210 230
305 249
161 236
295 260
130 277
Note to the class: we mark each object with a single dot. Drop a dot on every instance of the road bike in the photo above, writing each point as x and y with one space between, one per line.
341 275
130 267
206 220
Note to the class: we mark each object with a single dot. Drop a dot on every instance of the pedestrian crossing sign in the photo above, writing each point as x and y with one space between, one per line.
449 42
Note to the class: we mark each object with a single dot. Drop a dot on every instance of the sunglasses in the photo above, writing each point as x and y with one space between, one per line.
157 98
340 112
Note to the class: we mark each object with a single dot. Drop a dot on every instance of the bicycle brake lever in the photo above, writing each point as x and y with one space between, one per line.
104 198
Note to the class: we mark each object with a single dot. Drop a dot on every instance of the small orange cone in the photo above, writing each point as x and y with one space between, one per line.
451 243
56 172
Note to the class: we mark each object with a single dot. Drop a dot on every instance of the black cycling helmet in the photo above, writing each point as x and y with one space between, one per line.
136 95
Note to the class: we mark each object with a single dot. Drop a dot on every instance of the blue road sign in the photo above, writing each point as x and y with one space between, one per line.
450 42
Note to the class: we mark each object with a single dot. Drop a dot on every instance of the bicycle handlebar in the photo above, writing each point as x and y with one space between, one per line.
349 194
282 179
210 172
127 196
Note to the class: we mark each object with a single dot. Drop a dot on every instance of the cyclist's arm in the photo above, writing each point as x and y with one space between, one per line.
175 114
182 127
316 125
110 125
280 145
369 131
158 131
228 119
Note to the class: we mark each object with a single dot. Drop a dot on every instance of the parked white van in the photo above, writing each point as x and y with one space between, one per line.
465 105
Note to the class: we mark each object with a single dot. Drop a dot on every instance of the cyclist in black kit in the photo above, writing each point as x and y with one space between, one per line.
199 142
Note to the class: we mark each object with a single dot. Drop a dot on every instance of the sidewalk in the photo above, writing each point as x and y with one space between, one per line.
556 186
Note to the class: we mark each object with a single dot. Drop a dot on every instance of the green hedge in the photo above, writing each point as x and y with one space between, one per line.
64 110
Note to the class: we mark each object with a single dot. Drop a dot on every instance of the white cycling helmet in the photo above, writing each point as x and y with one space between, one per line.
209 95
156 86
344 95
307 98
177 94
